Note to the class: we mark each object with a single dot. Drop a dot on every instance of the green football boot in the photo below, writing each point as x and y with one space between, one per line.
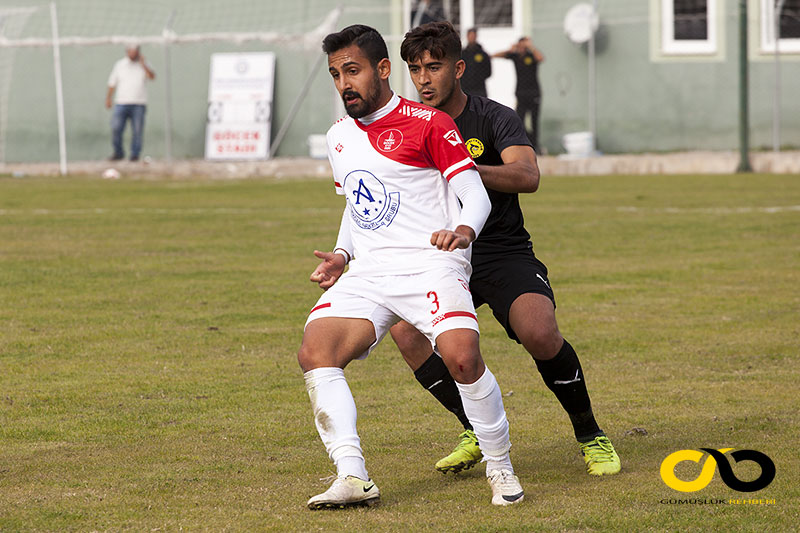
466 455
600 457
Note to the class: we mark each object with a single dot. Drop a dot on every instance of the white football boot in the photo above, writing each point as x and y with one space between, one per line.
506 489
346 492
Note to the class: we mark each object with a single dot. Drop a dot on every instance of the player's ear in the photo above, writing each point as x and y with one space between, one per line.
460 68
384 68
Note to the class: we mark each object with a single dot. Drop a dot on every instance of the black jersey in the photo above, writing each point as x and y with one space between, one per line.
527 74
488 128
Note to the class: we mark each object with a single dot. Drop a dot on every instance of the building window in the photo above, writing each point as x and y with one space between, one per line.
494 13
424 11
788 24
688 27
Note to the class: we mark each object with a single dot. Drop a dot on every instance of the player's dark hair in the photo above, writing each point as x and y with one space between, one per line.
367 39
439 38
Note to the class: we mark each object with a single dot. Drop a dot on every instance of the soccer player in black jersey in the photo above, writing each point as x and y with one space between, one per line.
506 274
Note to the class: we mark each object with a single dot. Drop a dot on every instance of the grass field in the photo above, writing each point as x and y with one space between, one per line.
148 379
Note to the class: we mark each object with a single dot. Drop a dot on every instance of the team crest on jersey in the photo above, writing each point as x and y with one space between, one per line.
452 137
371 206
475 147
390 140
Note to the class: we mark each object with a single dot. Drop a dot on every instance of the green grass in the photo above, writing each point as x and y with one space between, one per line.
148 379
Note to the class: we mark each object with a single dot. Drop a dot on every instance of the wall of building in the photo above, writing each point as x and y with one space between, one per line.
645 101
32 121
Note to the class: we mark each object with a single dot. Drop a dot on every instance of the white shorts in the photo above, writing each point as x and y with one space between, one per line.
433 302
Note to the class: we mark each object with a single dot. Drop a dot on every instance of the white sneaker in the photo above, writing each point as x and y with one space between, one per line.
506 489
345 492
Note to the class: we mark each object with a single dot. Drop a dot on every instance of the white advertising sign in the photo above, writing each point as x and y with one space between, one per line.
240 92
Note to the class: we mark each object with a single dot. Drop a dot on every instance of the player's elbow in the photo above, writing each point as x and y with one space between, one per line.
531 181
533 185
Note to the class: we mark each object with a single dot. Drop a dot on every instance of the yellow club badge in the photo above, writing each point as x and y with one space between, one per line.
475 147
478 57
528 60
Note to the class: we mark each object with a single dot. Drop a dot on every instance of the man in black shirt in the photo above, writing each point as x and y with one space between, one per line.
478 65
506 274
526 58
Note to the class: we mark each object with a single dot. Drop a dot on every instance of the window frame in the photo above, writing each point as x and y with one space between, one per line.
483 24
767 30
687 47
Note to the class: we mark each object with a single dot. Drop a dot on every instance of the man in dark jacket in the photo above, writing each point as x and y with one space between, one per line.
478 65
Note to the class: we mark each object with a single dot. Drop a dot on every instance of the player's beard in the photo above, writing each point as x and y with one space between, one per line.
366 104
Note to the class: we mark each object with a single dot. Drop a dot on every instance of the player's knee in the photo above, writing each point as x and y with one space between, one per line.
305 358
541 342
310 357
465 367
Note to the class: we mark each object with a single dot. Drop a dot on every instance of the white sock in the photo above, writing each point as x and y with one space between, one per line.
335 417
483 405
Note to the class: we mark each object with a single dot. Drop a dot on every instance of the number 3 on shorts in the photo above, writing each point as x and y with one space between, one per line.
432 295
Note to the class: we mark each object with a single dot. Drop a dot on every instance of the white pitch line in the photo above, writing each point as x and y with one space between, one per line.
710 210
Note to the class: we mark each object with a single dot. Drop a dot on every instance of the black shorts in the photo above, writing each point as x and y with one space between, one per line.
499 279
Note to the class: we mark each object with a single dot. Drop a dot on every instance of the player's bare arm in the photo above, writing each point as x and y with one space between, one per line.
518 173
329 270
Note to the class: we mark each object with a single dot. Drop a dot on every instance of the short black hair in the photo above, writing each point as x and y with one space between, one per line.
439 38
366 38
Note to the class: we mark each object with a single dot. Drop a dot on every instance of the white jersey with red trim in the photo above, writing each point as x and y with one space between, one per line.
394 173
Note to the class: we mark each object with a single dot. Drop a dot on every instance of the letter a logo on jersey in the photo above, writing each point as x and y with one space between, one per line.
452 137
371 206
362 191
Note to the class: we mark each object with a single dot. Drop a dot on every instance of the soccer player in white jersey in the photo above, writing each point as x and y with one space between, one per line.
414 204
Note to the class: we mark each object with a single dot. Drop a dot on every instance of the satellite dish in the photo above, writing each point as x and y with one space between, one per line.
580 23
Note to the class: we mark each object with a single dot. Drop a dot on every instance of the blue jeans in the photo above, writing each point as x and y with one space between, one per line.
121 114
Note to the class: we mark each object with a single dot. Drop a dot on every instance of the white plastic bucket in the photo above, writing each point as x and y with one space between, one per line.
579 143
318 146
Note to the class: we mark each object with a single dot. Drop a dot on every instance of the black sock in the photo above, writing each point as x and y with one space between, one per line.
563 375
434 376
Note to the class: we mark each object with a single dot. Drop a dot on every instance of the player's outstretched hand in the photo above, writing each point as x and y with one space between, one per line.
448 240
329 270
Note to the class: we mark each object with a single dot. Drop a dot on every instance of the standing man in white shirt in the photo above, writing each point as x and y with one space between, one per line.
127 80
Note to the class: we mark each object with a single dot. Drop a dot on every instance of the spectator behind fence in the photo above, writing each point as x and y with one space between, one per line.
478 65
529 97
127 80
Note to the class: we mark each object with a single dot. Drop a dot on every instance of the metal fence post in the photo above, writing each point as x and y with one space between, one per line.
744 122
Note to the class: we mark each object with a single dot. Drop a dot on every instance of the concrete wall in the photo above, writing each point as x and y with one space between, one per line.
645 102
